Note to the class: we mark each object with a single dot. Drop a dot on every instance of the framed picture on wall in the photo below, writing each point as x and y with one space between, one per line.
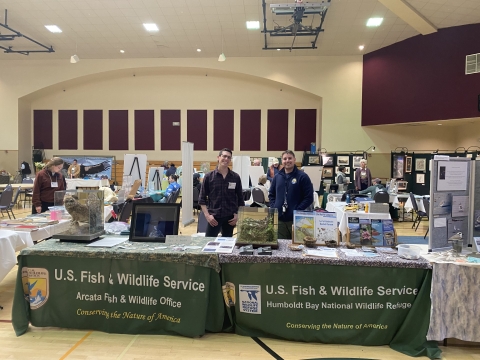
420 178
408 164
343 160
356 161
421 164
347 170
327 172
398 166
314 160
327 160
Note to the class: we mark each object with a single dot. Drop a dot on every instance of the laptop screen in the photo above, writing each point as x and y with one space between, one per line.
154 221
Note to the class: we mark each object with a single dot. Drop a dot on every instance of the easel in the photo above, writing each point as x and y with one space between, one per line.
135 160
157 180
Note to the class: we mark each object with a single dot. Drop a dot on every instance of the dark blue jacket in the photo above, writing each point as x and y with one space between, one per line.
299 193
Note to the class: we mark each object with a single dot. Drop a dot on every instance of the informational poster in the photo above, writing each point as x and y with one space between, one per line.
459 225
452 176
460 206
442 203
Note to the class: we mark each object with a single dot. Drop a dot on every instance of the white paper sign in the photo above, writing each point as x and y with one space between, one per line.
439 222
452 176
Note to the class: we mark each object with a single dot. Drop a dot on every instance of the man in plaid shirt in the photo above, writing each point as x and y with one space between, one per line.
220 197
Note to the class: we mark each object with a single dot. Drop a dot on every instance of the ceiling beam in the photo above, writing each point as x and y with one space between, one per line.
411 16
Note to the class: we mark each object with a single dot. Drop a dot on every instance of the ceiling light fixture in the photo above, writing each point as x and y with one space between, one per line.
278 49
150 27
122 51
439 124
372 22
199 50
53 28
253 25
74 59
361 47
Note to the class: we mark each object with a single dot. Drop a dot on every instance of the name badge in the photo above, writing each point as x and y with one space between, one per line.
54 184
231 186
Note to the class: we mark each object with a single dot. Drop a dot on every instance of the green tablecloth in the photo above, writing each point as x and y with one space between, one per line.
137 290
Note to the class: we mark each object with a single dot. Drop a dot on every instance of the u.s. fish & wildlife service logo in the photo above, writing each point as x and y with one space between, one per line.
294 180
250 299
35 286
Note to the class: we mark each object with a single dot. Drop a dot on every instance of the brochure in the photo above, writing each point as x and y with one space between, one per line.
319 225
377 232
388 233
354 227
365 232
220 245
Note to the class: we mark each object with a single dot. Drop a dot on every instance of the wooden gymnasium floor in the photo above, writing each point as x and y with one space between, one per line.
56 343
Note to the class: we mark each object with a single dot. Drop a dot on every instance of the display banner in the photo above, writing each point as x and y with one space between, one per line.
331 304
117 296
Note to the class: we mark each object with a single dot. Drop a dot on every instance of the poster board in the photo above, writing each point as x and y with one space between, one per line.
136 166
255 173
155 176
241 165
315 175
452 192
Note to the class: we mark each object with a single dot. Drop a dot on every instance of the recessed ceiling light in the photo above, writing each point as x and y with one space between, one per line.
361 47
199 50
278 49
151 27
374 22
53 28
253 24
122 51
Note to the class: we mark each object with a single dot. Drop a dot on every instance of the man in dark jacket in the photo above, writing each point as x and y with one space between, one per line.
171 171
291 189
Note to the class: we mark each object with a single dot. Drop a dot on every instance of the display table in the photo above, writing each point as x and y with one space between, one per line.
361 301
15 186
72 184
10 242
455 298
342 216
139 289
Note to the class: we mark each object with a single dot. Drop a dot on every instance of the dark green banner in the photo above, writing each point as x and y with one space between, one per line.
332 304
117 296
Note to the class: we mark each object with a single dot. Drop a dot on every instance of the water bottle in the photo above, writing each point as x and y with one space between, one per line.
347 198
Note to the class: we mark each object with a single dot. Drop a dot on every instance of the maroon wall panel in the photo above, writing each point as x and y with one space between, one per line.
222 129
144 130
118 129
305 128
42 129
277 130
170 134
422 78
67 129
93 129
250 130
197 128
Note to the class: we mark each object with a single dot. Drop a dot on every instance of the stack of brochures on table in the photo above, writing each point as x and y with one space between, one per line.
323 252
221 245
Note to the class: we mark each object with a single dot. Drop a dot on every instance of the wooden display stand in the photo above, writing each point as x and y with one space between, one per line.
134 189
394 238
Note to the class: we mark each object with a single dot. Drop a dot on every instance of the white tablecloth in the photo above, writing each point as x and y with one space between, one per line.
408 204
43 233
342 216
73 183
10 242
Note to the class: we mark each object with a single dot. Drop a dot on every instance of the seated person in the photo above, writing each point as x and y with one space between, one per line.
196 182
261 185
73 170
173 186
376 186
172 170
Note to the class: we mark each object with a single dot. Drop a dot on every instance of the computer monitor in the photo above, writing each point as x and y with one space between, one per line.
154 221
